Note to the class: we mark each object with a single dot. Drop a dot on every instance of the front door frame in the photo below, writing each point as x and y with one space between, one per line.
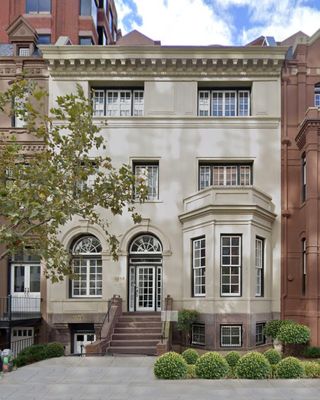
132 289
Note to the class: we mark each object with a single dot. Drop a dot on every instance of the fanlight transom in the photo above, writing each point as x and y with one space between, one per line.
87 245
146 244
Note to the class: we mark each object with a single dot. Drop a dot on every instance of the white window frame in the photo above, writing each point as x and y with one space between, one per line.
88 280
259 266
199 271
230 335
144 174
206 102
207 175
123 102
230 266
195 336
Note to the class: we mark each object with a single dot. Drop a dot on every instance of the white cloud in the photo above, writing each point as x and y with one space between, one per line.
181 22
203 22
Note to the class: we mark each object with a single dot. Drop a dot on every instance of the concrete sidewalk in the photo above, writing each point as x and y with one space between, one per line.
122 378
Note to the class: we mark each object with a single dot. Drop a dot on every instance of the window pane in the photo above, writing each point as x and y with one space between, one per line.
230 104
85 7
204 103
243 100
44 6
98 103
85 41
35 278
150 174
31 6
44 39
138 103
198 266
205 177
19 277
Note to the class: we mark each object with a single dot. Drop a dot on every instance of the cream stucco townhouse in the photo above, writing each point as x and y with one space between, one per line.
204 124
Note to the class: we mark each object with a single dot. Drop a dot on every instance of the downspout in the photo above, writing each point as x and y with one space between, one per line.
285 212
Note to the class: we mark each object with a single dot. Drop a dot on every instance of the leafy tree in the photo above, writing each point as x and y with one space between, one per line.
69 177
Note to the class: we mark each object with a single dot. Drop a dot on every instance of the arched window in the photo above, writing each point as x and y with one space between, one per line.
146 244
87 267
317 95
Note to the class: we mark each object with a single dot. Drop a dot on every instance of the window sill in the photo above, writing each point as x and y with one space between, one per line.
148 201
92 298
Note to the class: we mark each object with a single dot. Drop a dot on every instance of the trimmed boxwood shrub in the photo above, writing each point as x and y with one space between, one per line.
232 358
38 352
191 356
312 352
290 368
273 356
54 349
170 365
253 365
294 333
212 365
311 369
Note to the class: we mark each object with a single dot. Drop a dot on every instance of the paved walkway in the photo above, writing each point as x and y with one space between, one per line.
131 378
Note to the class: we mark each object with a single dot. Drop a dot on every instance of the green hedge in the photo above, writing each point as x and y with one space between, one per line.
253 365
290 368
212 365
38 352
312 352
170 366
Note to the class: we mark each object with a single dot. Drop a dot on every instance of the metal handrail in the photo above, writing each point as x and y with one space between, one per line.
106 317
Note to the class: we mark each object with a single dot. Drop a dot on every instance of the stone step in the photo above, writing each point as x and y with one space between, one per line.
143 350
137 324
134 343
141 313
140 318
129 330
136 336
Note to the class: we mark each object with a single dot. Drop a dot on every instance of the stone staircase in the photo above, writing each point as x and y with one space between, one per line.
136 333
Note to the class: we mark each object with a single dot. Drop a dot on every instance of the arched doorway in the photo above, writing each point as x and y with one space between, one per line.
145 274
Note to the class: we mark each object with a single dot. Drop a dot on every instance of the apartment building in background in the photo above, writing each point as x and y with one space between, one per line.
199 123
301 183
22 283
83 21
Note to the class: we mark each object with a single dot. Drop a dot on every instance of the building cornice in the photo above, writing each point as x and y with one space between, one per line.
164 60
311 121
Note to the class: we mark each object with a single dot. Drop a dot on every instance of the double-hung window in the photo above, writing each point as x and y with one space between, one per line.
304 266
304 178
198 336
118 102
224 175
231 335
224 103
317 95
231 265
149 172
199 267
259 266
260 336
38 6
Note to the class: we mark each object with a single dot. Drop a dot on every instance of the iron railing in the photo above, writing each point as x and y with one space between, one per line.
106 318
15 308
17 345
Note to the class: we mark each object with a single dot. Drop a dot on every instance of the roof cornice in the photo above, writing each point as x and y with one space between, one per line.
164 60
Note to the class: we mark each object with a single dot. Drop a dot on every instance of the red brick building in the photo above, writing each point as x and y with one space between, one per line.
83 21
301 182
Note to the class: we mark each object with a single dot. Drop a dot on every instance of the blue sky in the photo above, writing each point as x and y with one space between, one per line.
227 22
